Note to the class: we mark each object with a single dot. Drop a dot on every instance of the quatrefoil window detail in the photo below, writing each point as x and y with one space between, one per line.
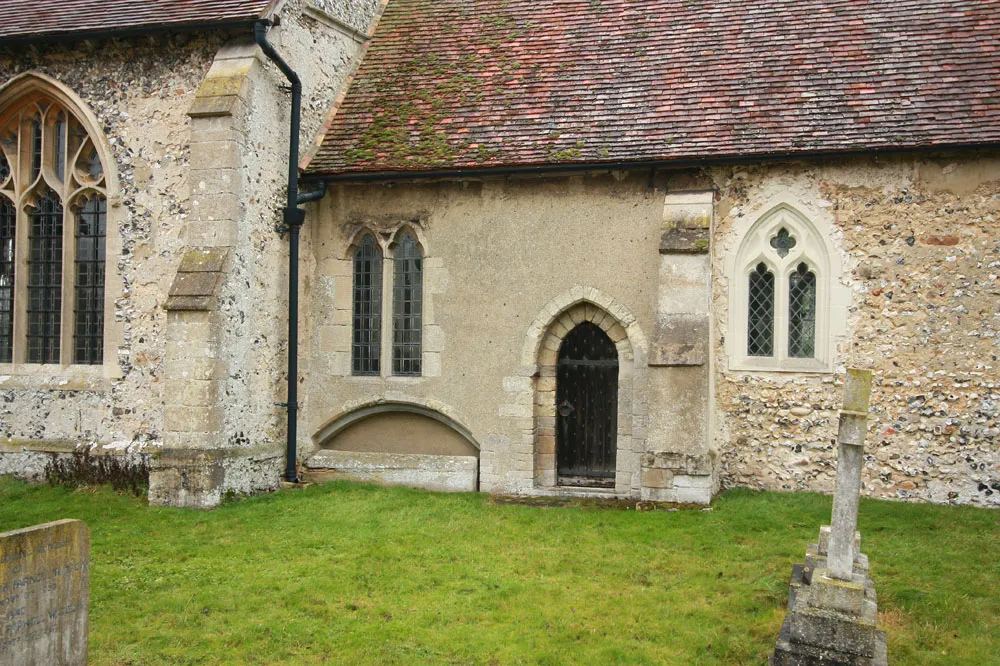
783 242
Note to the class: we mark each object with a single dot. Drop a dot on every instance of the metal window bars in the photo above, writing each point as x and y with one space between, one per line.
407 307
366 345
45 248
8 221
88 332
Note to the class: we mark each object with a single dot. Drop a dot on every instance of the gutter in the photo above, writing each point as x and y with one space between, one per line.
117 33
623 165
293 217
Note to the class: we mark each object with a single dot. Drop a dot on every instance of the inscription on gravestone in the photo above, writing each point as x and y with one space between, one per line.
44 594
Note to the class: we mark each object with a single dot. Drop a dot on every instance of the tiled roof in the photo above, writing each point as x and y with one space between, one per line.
482 83
26 19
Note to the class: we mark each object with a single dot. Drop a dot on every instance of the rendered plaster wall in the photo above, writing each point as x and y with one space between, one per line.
139 90
917 236
400 432
500 256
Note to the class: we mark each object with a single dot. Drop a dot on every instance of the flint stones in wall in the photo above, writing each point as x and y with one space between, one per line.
44 594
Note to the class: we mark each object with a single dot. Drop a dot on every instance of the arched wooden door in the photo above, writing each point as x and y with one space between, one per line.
586 408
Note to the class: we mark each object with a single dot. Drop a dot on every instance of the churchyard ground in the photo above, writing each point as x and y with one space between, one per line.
353 574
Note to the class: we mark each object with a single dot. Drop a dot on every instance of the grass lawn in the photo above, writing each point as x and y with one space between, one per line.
354 574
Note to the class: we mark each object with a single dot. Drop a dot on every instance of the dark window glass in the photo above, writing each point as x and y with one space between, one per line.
760 319
36 147
802 313
88 309
366 345
407 307
45 234
8 218
59 147
4 168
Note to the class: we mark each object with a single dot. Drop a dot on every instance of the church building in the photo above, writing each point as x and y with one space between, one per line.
578 249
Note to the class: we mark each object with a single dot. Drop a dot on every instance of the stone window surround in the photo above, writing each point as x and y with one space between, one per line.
67 376
539 357
814 248
387 238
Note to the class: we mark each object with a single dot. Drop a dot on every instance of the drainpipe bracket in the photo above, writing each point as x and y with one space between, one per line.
294 217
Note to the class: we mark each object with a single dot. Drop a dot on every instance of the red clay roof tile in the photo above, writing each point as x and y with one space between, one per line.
483 83
24 19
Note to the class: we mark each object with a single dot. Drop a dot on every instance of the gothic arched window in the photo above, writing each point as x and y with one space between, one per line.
407 306
366 345
53 225
780 296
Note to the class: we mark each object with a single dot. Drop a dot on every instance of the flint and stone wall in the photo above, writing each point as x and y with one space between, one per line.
915 237
140 91
198 127
921 255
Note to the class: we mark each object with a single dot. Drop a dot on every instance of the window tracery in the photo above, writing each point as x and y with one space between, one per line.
780 283
53 219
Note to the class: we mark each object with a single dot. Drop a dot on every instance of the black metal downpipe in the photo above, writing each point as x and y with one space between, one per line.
293 218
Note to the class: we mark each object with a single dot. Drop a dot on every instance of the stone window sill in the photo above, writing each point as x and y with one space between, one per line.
57 377
801 365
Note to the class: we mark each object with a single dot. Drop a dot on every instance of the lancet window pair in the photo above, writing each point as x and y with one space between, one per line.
787 305
407 307
53 228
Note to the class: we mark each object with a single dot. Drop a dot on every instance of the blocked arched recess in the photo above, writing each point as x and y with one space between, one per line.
539 356
22 89
372 411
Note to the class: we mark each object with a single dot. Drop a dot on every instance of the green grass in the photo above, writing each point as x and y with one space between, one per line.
351 574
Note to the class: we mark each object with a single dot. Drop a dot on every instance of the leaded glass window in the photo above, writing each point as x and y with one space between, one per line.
45 257
35 130
88 311
8 217
760 319
52 185
407 306
802 313
366 346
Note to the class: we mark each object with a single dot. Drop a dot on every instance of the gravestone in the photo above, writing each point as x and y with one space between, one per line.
44 594
832 606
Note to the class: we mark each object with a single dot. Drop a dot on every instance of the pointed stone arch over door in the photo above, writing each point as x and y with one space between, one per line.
532 399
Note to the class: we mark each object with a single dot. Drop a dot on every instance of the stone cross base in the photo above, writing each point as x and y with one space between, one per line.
830 622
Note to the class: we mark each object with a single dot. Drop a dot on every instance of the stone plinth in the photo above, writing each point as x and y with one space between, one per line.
431 472
44 594
830 622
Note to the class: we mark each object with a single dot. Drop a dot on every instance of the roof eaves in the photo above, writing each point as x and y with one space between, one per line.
665 163
134 31
272 8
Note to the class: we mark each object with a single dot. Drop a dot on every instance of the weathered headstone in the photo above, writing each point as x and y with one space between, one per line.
44 594
832 607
